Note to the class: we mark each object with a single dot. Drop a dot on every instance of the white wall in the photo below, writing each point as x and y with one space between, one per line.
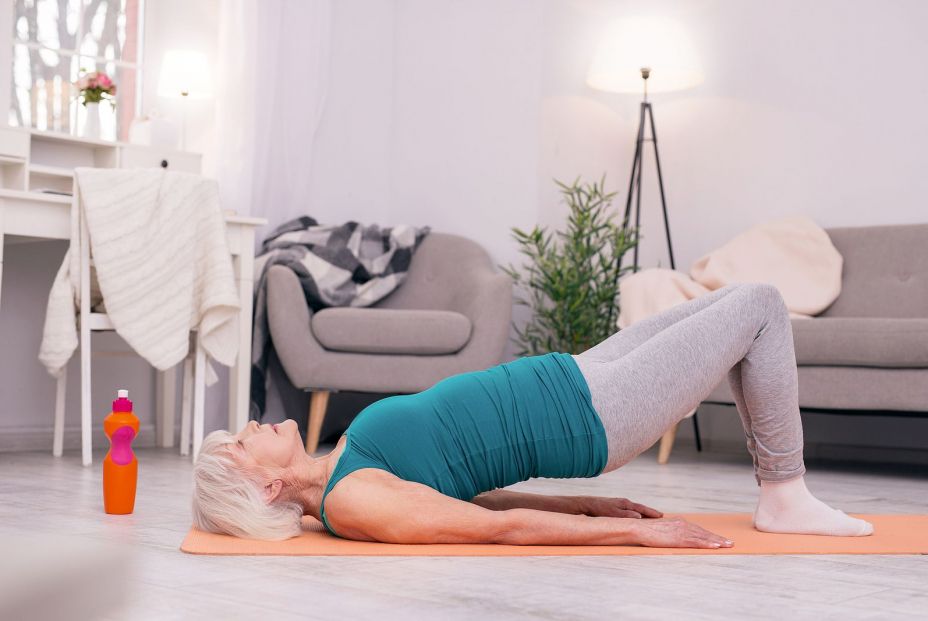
432 117
807 107
458 114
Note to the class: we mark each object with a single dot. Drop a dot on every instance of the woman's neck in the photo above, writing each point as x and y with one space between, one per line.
317 473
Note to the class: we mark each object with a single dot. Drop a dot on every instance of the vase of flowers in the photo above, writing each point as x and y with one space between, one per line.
95 87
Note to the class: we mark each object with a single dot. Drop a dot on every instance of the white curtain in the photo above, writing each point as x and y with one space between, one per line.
272 74
271 78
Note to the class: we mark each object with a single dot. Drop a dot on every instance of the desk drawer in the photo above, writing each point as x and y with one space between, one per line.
14 142
148 157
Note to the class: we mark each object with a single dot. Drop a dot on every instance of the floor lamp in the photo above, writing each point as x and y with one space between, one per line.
611 71
646 117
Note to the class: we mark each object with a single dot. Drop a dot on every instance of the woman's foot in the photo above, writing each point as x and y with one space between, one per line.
789 507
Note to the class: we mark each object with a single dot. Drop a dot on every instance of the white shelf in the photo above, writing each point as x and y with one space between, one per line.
42 134
32 160
52 136
35 196
51 171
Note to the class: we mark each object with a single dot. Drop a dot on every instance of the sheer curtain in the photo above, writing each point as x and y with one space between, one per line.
272 74
271 78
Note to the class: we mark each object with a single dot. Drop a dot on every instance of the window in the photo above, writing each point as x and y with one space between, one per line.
56 41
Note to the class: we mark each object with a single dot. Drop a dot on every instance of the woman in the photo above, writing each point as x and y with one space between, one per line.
425 468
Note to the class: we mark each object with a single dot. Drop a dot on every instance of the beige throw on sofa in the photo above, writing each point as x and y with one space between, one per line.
793 253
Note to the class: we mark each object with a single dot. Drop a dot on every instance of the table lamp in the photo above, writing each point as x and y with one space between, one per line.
638 55
184 74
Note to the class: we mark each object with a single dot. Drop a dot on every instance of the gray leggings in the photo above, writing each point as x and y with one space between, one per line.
647 377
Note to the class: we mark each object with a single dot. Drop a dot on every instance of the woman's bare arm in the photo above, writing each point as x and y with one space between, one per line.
381 507
503 499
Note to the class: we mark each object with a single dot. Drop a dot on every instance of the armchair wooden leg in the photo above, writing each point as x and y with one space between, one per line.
663 453
317 406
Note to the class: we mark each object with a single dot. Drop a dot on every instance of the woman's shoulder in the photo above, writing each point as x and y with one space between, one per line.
345 504
348 458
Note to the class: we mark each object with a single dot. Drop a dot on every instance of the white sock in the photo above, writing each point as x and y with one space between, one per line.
789 507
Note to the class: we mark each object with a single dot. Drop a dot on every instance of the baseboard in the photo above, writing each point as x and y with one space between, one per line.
41 438
833 452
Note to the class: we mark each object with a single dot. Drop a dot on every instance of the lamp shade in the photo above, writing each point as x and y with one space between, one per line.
184 73
629 45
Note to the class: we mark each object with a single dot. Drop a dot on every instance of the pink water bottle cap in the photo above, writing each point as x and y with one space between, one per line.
122 403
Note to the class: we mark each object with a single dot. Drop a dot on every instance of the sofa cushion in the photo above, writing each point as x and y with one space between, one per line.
862 341
391 331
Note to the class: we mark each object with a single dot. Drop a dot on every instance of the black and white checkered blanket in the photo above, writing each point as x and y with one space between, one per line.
340 265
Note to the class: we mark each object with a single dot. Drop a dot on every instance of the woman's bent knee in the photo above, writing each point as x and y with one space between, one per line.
763 293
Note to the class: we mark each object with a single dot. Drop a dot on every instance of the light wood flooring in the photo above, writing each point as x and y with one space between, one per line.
39 493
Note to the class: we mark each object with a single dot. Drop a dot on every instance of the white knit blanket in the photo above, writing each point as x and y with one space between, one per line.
162 262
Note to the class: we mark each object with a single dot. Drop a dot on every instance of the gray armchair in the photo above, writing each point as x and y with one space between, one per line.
451 315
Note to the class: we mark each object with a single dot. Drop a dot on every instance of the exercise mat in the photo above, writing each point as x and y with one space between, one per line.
893 534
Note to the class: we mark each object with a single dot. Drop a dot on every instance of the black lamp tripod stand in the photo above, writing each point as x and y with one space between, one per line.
634 189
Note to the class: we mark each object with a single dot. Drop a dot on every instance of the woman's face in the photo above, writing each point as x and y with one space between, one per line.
271 446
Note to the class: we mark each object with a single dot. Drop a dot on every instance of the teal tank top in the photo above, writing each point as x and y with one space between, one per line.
477 431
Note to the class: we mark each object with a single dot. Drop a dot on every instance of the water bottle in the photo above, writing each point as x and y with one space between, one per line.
120 467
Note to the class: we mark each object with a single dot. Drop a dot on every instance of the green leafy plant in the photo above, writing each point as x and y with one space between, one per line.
571 279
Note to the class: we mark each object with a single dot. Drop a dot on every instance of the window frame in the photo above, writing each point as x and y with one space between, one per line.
13 41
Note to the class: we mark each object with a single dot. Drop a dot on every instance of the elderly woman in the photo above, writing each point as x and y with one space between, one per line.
426 468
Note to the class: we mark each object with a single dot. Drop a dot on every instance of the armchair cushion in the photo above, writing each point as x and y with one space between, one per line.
391 331
862 341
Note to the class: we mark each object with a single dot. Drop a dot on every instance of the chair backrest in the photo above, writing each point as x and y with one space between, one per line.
885 271
437 271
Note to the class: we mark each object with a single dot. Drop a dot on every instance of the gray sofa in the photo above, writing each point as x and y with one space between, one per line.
451 315
868 351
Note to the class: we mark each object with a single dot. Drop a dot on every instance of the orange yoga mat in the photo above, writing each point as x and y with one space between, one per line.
893 534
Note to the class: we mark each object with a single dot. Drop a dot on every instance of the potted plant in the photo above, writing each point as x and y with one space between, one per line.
571 279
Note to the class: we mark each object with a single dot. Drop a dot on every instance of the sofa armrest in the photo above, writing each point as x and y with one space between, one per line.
485 297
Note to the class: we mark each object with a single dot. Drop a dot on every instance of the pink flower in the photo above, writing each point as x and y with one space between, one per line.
94 85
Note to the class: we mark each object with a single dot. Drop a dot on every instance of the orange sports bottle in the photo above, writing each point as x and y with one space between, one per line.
120 467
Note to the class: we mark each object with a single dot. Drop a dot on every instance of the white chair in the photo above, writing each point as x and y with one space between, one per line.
89 322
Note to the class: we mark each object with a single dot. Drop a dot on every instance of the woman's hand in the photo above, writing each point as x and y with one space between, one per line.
677 533
616 507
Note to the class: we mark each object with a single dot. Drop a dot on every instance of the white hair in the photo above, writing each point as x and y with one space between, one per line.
228 498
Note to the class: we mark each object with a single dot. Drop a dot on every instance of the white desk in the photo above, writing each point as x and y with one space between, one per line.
47 216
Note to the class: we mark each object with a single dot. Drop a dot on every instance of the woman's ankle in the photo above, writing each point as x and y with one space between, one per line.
776 496
788 486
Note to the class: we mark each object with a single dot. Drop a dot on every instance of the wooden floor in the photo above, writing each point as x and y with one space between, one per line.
42 494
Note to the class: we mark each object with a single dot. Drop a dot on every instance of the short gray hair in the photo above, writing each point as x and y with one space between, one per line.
227 496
